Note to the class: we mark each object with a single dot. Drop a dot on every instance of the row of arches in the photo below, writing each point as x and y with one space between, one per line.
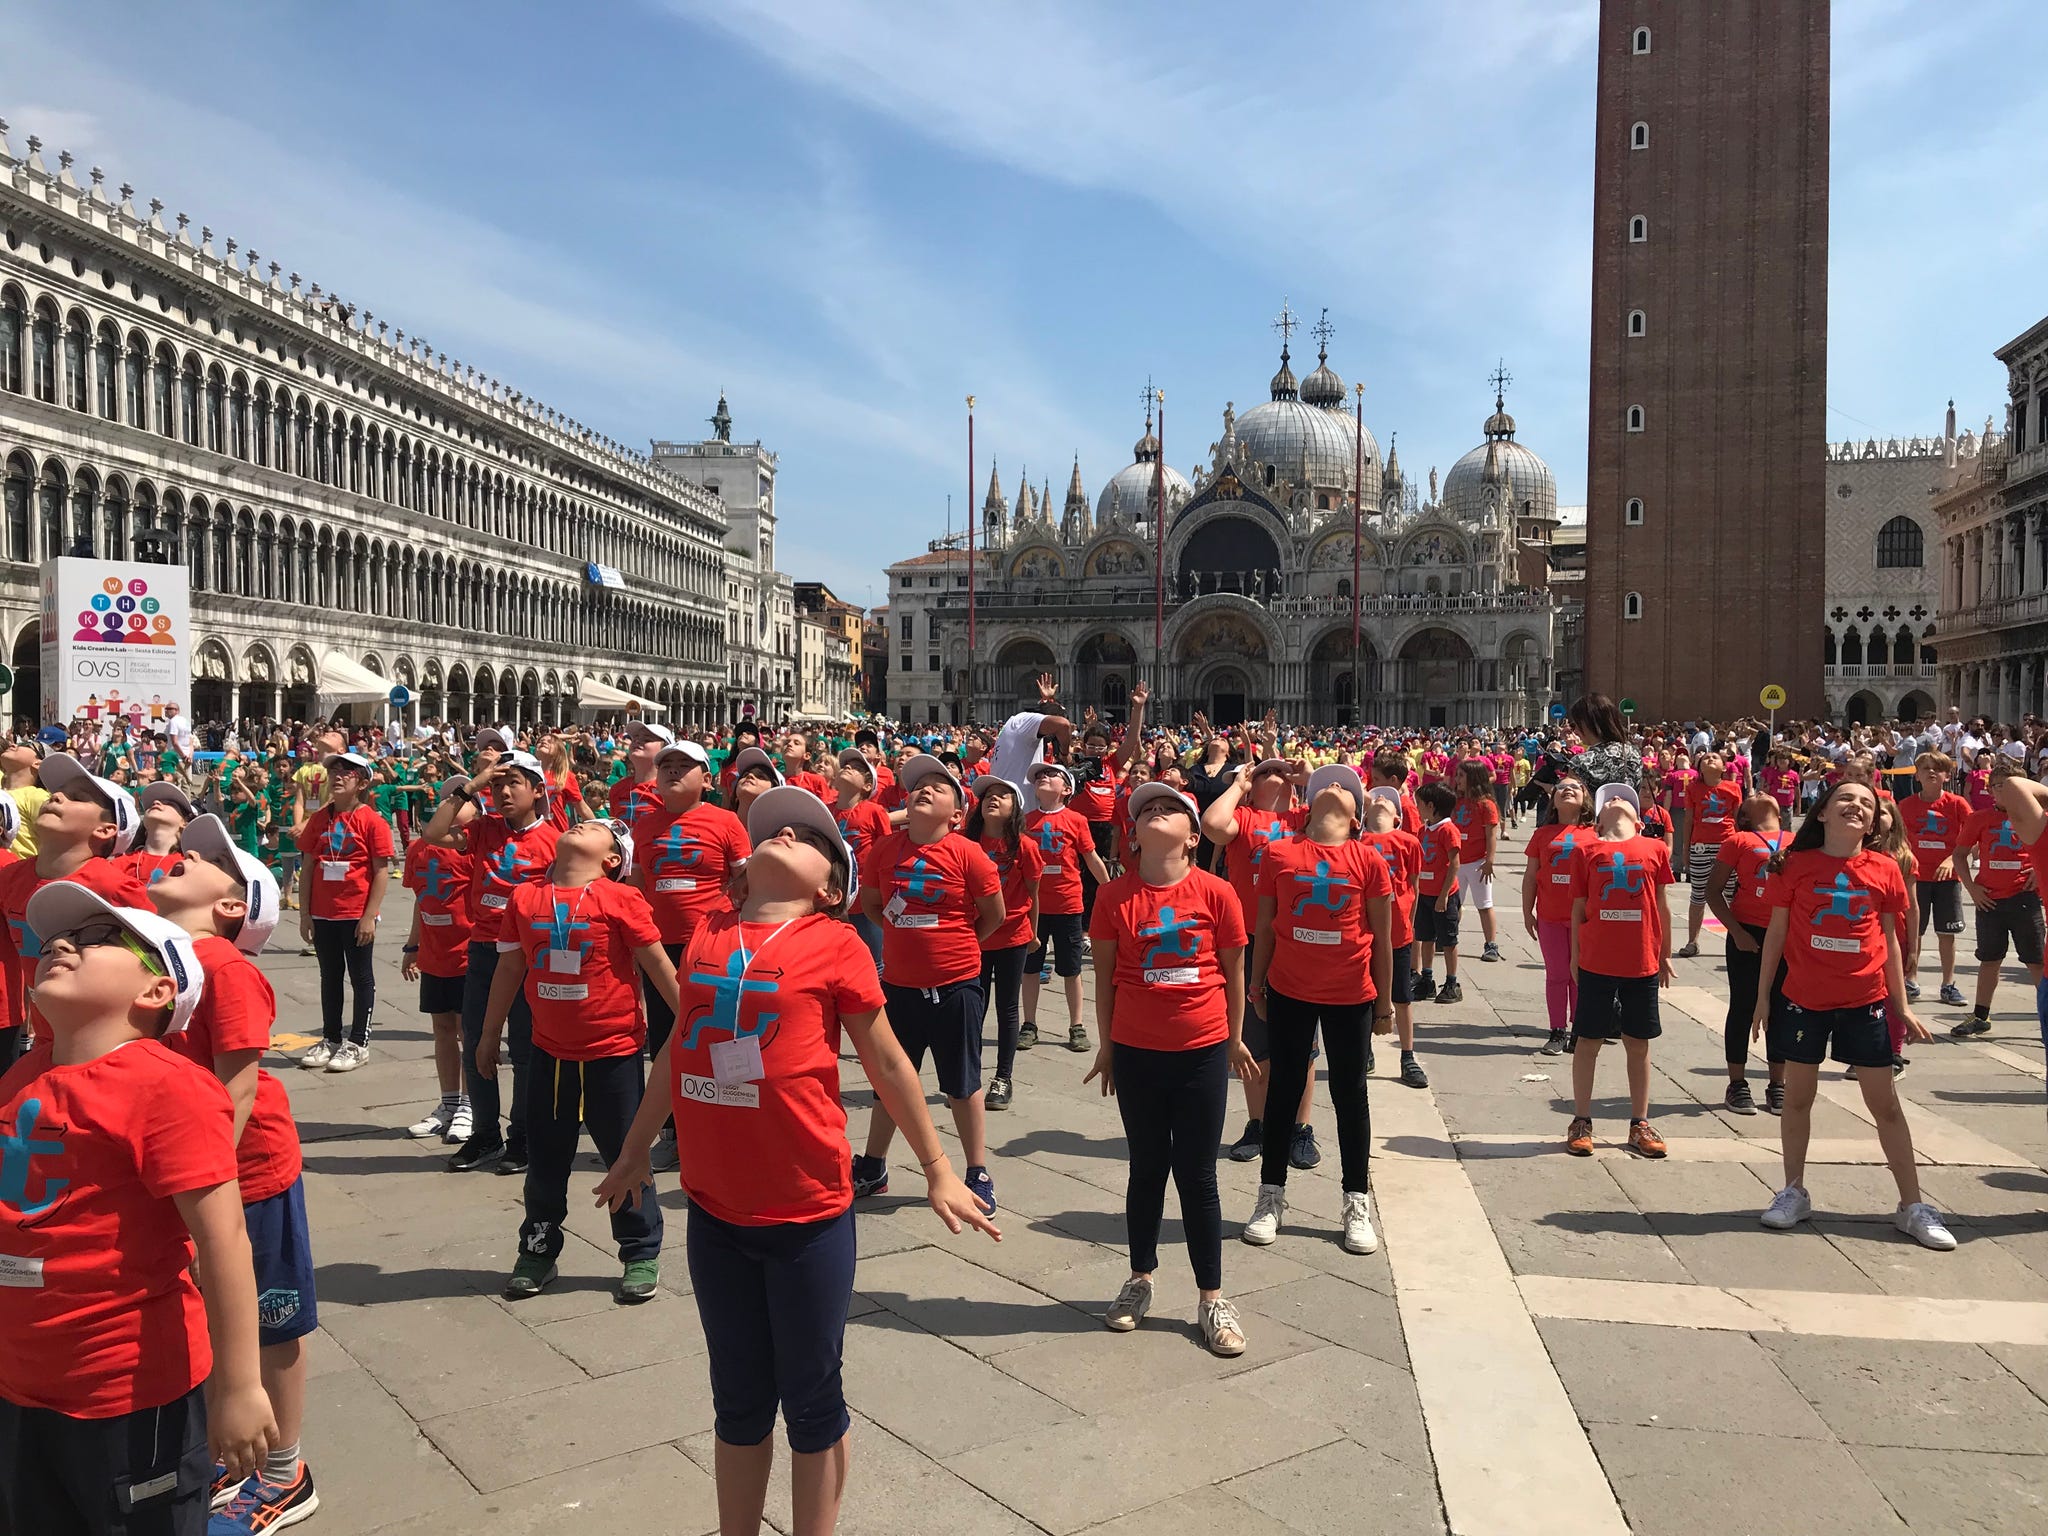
63 356
56 509
1879 647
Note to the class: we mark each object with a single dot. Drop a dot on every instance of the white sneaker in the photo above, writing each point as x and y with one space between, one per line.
348 1056
1789 1207
1922 1222
1359 1236
1221 1330
459 1125
434 1123
316 1056
1130 1306
1267 1215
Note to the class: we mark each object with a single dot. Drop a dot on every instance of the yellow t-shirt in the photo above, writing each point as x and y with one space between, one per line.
312 779
29 801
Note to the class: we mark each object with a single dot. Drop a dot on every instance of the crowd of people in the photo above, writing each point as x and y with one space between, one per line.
592 906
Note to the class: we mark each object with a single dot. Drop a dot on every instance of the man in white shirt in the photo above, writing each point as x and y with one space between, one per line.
179 729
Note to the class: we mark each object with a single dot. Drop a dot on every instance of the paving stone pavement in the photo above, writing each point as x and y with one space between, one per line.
1543 1343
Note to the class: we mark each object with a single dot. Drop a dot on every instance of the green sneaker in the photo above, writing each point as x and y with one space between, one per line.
530 1276
639 1282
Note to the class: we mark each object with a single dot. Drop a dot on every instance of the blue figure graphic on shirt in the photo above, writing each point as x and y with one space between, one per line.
562 929
1178 940
340 840
1848 902
1330 892
1566 845
2005 838
508 865
26 941
1936 825
1620 874
920 882
436 883
1264 838
727 992
18 1153
675 849
1048 837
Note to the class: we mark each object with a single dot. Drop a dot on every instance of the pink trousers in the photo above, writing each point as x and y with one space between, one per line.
1560 986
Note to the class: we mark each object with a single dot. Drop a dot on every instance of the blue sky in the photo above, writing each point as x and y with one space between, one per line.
850 214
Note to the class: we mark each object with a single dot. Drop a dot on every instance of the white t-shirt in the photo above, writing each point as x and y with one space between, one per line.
179 729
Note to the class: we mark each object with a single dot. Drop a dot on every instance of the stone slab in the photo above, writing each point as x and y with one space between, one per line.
1620 1373
1928 1396
1676 1482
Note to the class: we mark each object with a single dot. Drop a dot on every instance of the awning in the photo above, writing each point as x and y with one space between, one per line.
603 576
597 697
350 682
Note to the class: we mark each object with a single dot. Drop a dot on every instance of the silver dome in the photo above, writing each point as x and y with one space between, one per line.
1529 479
1132 495
1312 446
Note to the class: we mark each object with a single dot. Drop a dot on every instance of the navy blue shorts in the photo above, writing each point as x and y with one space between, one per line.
285 1304
1404 973
945 1021
440 994
1061 931
773 1303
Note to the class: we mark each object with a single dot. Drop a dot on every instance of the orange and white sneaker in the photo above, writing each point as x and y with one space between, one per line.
264 1506
1643 1139
1579 1139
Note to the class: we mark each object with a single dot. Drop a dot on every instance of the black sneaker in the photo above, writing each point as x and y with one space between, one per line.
1303 1152
1740 1101
1899 1063
1774 1098
870 1176
1973 1025
1077 1038
1411 1071
1452 992
1027 1036
1554 1046
998 1095
1422 988
261 1505
1251 1144
474 1154
514 1160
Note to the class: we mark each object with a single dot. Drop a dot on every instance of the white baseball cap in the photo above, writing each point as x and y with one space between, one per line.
622 839
689 749
1391 795
650 730
1041 770
1607 794
754 757
853 757
491 737
346 760
1341 776
164 791
206 837
1270 765
449 785
789 805
65 905
922 766
62 771
1153 790
529 765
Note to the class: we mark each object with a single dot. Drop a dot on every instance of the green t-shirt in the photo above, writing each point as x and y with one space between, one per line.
245 826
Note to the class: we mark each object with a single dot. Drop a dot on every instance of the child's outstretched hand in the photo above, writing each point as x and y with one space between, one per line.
955 1206
625 1181
240 1429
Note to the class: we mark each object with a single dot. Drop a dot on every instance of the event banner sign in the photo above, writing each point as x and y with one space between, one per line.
116 641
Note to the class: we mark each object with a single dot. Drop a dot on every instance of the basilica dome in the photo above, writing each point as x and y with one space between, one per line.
1313 446
1528 478
1133 492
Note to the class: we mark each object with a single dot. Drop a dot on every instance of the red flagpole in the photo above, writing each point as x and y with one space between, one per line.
1357 536
1159 559
970 559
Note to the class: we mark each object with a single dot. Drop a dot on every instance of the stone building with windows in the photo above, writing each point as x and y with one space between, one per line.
1261 581
334 488
1992 642
1883 582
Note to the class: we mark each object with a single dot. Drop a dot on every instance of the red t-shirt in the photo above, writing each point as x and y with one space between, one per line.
1656 823
1749 855
1401 852
102 1318
2001 866
1834 941
929 893
1440 844
681 860
814 783
1257 831
863 824
580 976
235 1011
1096 800
1710 812
1322 933
1550 854
500 861
338 847
439 879
1622 933
1783 785
20 949
561 791
1020 874
1678 783
1062 836
1934 828
148 867
771 1146
1473 819
1169 983
630 799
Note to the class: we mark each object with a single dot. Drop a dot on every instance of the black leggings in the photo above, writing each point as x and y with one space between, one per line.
1745 975
1002 980
1291 1038
659 1020
1172 1103
334 941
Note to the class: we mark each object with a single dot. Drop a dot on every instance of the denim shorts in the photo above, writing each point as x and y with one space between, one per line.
286 1308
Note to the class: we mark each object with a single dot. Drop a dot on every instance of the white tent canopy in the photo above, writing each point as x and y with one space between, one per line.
600 698
349 682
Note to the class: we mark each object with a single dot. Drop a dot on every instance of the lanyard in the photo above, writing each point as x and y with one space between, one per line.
559 927
748 957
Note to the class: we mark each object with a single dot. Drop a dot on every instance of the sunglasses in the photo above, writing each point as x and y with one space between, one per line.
104 931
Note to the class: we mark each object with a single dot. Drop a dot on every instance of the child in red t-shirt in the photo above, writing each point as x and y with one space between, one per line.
1477 818
227 902
1621 951
116 1374
1838 922
347 850
753 1081
1322 960
437 957
998 827
936 896
1169 1012
164 809
1066 847
573 943
1737 888
862 823
1438 896
1992 865
1401 851
1706 819
1547 902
